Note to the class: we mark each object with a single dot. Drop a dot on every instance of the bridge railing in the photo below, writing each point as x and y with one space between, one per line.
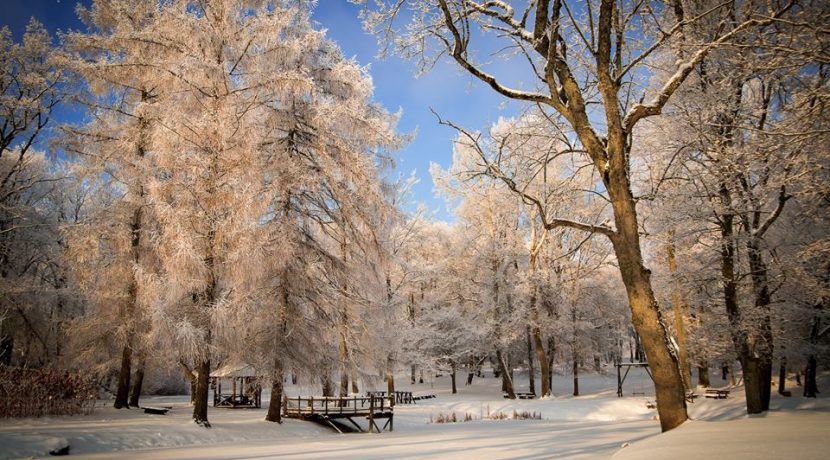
321 405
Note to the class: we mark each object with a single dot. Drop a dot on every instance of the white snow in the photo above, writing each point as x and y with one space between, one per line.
596 425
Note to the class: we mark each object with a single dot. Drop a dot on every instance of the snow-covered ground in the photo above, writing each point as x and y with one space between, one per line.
596 425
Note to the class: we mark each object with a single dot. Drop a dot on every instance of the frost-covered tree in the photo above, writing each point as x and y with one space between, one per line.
586 63
113 60
33 307
736 136
491 218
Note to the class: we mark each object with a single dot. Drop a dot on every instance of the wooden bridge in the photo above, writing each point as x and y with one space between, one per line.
331 412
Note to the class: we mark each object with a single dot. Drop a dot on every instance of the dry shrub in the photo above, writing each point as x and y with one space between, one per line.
450 418
39 392
524 415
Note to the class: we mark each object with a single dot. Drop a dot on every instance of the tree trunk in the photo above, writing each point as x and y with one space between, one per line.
344 366
544 363
749 364
576 376
328 390
138 381
810 385
344 383
275 405
412 375
679 307
763 348
753 384
191 377
782 376
551 356
506 381
123 393
390 379
355 387
452 377
703 375
645 314
531 372
536 333
200 401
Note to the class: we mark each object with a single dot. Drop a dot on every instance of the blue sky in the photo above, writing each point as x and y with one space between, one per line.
446 89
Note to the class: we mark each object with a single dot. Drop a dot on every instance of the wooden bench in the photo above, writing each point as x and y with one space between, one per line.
157 410
717 393
520 395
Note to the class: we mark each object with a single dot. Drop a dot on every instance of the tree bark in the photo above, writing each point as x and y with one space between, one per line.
506 381
551 356
390 379
452 377
782 376
275 405
679 308
703 375
123 392
200 402
328 390
810 385
138 382
531 372
576 375
645 314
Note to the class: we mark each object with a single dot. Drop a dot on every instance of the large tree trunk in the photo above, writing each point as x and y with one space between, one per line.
138 382
123 393
275 405
750 365
131 309
763 348
200 401
576 375
645 314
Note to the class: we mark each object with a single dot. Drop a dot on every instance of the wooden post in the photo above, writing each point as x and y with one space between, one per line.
372 413
619 381
312 405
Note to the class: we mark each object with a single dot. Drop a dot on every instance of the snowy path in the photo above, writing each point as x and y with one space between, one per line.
484 439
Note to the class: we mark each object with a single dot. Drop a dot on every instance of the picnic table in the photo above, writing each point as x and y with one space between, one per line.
522 395
717 393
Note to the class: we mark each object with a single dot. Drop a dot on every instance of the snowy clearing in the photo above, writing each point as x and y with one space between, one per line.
593 426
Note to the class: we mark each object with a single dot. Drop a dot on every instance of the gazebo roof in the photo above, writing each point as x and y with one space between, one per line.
234 370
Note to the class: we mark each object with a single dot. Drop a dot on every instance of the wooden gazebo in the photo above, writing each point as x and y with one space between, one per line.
241 380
